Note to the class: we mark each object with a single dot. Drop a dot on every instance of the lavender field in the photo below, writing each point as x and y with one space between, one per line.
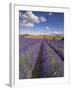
41 57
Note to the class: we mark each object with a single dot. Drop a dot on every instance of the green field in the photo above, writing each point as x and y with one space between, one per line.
43 37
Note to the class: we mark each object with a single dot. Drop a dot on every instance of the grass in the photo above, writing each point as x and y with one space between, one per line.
23 60
53 61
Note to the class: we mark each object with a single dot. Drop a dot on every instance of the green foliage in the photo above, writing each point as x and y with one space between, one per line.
25 58
61 38
53 61
55 64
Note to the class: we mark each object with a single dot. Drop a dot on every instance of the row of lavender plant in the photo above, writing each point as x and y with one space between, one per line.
52 64
28 59
58 47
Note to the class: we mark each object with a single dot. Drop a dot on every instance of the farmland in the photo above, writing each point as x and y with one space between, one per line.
41 56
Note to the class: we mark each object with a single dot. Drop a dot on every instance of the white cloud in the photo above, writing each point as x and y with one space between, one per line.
29 16
29 19
50 13
47 28
42 19
29 24
54 33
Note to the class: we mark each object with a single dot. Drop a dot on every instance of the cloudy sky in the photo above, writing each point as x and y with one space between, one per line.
41 23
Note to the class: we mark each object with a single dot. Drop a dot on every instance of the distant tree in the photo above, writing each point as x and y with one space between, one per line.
53 38
62 38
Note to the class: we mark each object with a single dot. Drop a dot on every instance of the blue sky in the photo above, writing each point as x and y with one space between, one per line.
41 23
